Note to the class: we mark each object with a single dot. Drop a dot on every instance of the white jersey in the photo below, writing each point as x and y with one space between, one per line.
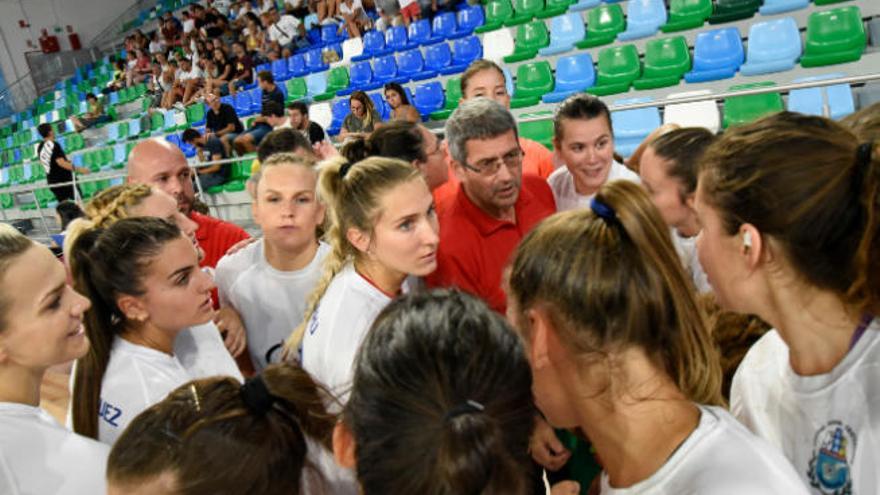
336 329
271 302
567 198
39 456
138 377
827 425
720 457
326 476
687 251
285 30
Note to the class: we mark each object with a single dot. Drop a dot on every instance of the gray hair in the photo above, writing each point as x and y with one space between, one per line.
478 118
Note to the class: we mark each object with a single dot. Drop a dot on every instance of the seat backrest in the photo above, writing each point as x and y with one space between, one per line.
567 28
429 95
381 105
497 45
532 35
470 18
361 73
374 41
718 48
316 83
606 18
466 50
410 61
646 11
419 31
395 37
774 39
443 25
575 70
340 109
534 75
438 56
351 48
296 64
322 114
385 66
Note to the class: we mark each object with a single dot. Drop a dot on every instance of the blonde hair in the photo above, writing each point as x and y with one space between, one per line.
282 159
352 193
616 282
12 245
105 209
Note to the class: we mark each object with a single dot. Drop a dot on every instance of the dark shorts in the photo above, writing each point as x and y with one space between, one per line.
258 132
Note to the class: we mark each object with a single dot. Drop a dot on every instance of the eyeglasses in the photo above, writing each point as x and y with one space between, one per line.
490 166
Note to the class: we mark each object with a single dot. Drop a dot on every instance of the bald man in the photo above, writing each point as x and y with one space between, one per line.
162 164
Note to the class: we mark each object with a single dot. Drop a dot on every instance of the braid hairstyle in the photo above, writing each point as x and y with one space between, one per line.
108 207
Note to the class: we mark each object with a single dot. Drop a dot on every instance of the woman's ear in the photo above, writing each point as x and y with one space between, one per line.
343 446
133 308
359 239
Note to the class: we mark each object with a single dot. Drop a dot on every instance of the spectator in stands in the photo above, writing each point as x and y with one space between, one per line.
410 10
244 66
94 116
66 212
140 70
162 164
171 33
356 19
218 81
326 10
210 149
401 109
584 141
495 203
222 122
298 113
253 34
58 168
275 116
248 141
286 30
297 8
363 117
118 81
156 44
189 81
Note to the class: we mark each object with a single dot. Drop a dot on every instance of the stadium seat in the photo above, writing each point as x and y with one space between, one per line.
134 128
157 123
666 61
374 45
834 36
395 38
553 8
381 105
243 103
384 69
774 46
604 23
530 38
695 114
316 84
467 20
574 73
339 110
524 11
119 155
643 19
464 51
442 27
418 33
256 100
112 133
537 127
533 80
565 31
497 13
196 114
428 98
740 110
315 60
337 79
296 66
827 2
280 71
771 7
718 54
452 95
834 101
497 45
733 10
438 57
239 173
584 5
321 114
330 34
296 90
687 14
411 65
360 79
618 67
351 48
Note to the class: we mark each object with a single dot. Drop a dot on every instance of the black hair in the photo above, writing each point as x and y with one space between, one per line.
266 76
282 141
44 130
580 107
68 211
397 139
272 109
393 86
300 106
190 135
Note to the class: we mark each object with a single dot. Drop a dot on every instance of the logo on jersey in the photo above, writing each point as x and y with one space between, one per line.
834 448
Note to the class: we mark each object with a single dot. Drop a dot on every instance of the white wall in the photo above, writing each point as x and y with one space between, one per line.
87 17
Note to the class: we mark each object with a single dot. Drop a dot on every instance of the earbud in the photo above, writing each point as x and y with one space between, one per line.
747 239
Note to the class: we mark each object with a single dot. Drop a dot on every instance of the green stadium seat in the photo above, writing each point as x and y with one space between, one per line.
740 110
666 62
827 2
157 123
39 173
530 38
604 23
239 173
524 11
533 80
538 130
833 37
6 201
452 97
553 9
296 89
617 68
44 197
194 113
337 80
88 189
497 13
687 14
733 10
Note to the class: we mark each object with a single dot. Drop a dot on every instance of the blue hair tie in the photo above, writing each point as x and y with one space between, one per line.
603 211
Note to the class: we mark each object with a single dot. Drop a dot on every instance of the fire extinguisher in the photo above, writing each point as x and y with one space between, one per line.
73 38
49 44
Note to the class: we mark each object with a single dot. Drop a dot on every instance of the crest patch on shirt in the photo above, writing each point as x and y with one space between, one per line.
834 448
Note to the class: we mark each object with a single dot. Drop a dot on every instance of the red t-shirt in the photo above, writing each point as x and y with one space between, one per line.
474 247
216 237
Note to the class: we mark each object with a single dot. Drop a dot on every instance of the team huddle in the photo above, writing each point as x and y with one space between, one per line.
471 315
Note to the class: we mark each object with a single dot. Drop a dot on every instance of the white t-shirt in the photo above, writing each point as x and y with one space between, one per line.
38 455
138 377
271 303
344 9
687 251
284 30
336 329
567 198
194 73
326 476
827 425
188 25
719 457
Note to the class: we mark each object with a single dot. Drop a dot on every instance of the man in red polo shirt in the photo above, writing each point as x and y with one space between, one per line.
494 205
160 163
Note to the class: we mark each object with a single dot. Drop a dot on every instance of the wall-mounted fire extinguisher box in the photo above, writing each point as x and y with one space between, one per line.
73 38
49 44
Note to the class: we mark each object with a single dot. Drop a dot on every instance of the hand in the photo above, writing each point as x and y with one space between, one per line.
238 246
566 488
83 171
545 447
230 325
325 150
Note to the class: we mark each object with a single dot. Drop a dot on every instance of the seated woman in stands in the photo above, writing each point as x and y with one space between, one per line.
363 117
401 109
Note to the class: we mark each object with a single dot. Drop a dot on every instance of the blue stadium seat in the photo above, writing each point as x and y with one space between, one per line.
316 83
374 45
631 127
169 120
835 101
310 21
77 161
464 51
279 70
385 69
114 98
443 26
256 100
429 98
438 57
381 105
774 46
395 38
262 67
119 153
565 31
419 33
468 19
228 99
411 65
296 65
112 132
771 7
643 18
360 78
330 34
718 54
340 109
315 60
314 36
574 73
134 127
